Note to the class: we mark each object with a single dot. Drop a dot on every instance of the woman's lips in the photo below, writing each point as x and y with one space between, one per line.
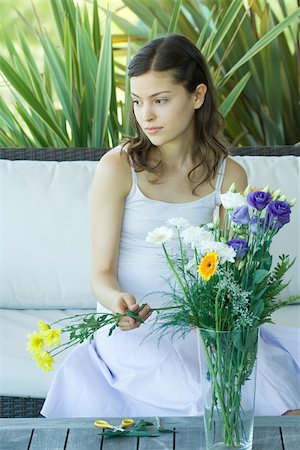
152 130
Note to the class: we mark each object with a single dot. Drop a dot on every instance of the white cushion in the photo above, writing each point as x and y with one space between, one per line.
280 173
45 256
19 376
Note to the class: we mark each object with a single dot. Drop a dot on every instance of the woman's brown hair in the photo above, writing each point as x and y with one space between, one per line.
187 66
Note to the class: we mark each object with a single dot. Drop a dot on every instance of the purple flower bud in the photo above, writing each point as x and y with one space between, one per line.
240 246
240 215
278 214
259 199
253 224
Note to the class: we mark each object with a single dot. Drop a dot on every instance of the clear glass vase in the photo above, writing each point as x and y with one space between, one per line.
228 377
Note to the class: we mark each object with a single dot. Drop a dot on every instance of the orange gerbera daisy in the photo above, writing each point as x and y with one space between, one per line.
208 265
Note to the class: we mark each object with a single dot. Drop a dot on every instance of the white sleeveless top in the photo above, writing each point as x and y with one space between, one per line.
142 268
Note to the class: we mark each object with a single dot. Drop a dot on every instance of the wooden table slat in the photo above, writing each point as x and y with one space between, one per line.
267 438
14 439
291 437
48 439
83 439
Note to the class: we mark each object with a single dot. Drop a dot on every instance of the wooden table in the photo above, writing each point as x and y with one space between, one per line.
270 433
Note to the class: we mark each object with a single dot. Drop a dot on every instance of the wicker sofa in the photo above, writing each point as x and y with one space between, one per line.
45 250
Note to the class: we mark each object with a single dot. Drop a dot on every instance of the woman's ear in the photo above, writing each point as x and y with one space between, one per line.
199 94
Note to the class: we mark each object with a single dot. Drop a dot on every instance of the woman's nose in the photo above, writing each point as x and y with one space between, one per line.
147 113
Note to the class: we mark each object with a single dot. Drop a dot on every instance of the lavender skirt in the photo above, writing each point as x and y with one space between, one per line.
129 374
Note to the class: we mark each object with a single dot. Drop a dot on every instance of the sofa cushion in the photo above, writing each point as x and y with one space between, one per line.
19 376
45 257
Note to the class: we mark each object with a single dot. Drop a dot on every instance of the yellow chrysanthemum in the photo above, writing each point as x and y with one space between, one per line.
35 343
43 326
45 361
51 337
208 265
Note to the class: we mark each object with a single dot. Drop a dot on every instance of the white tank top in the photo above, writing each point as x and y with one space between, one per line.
142 268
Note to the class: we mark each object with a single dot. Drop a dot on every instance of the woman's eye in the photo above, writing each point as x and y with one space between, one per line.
161 100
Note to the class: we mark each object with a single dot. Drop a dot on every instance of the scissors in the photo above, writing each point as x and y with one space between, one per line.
125 423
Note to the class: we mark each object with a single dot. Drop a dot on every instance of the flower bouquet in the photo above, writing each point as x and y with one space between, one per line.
226 288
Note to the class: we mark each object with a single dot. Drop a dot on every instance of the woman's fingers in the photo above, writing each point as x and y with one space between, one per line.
129 323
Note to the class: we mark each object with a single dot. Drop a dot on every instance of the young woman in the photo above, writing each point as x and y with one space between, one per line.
176 166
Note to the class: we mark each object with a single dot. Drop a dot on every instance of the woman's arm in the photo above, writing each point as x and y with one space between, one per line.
233 173
111 184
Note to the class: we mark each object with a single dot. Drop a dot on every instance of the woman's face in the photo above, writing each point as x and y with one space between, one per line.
164 106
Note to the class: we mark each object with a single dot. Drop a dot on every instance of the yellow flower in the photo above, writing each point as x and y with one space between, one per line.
35 343
208 265
45 361
51 337
43 326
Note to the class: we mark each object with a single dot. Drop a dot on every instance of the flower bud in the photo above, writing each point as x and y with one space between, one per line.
276 194
216 221
210 226
247 190
232 187
282 198
242 264
292 202
266 189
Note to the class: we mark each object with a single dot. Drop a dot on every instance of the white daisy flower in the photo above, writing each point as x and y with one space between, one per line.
232 200
194 235
224 251
178 222
160 235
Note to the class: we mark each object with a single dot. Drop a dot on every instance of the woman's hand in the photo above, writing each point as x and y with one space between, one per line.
127 302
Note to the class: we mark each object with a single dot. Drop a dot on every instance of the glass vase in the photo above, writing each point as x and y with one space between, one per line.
228 377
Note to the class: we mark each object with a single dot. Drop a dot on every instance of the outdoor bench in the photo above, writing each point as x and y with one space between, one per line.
45 254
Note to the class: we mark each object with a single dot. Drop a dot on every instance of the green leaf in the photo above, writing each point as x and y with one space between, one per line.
20 86
264 41
103 88
175 16
232 97
259 275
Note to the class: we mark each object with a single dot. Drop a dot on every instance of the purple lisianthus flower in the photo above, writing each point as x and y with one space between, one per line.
259 199
253 224
278 214
240 215
240 246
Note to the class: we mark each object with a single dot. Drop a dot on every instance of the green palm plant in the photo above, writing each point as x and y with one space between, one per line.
72 102
253 64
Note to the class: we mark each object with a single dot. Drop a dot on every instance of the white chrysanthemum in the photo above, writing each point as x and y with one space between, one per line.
232 200
160 235
178 222
194 235
224 251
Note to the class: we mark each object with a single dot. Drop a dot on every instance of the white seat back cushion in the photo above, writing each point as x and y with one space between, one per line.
45 254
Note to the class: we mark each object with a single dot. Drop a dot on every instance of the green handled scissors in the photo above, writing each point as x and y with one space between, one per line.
104 424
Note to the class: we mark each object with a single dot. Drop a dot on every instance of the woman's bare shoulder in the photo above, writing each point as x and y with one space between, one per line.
114 168
234 172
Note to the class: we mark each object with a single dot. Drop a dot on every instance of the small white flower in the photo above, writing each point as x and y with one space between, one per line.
232 200
178 222
224 251
194 235
210 226
160 235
